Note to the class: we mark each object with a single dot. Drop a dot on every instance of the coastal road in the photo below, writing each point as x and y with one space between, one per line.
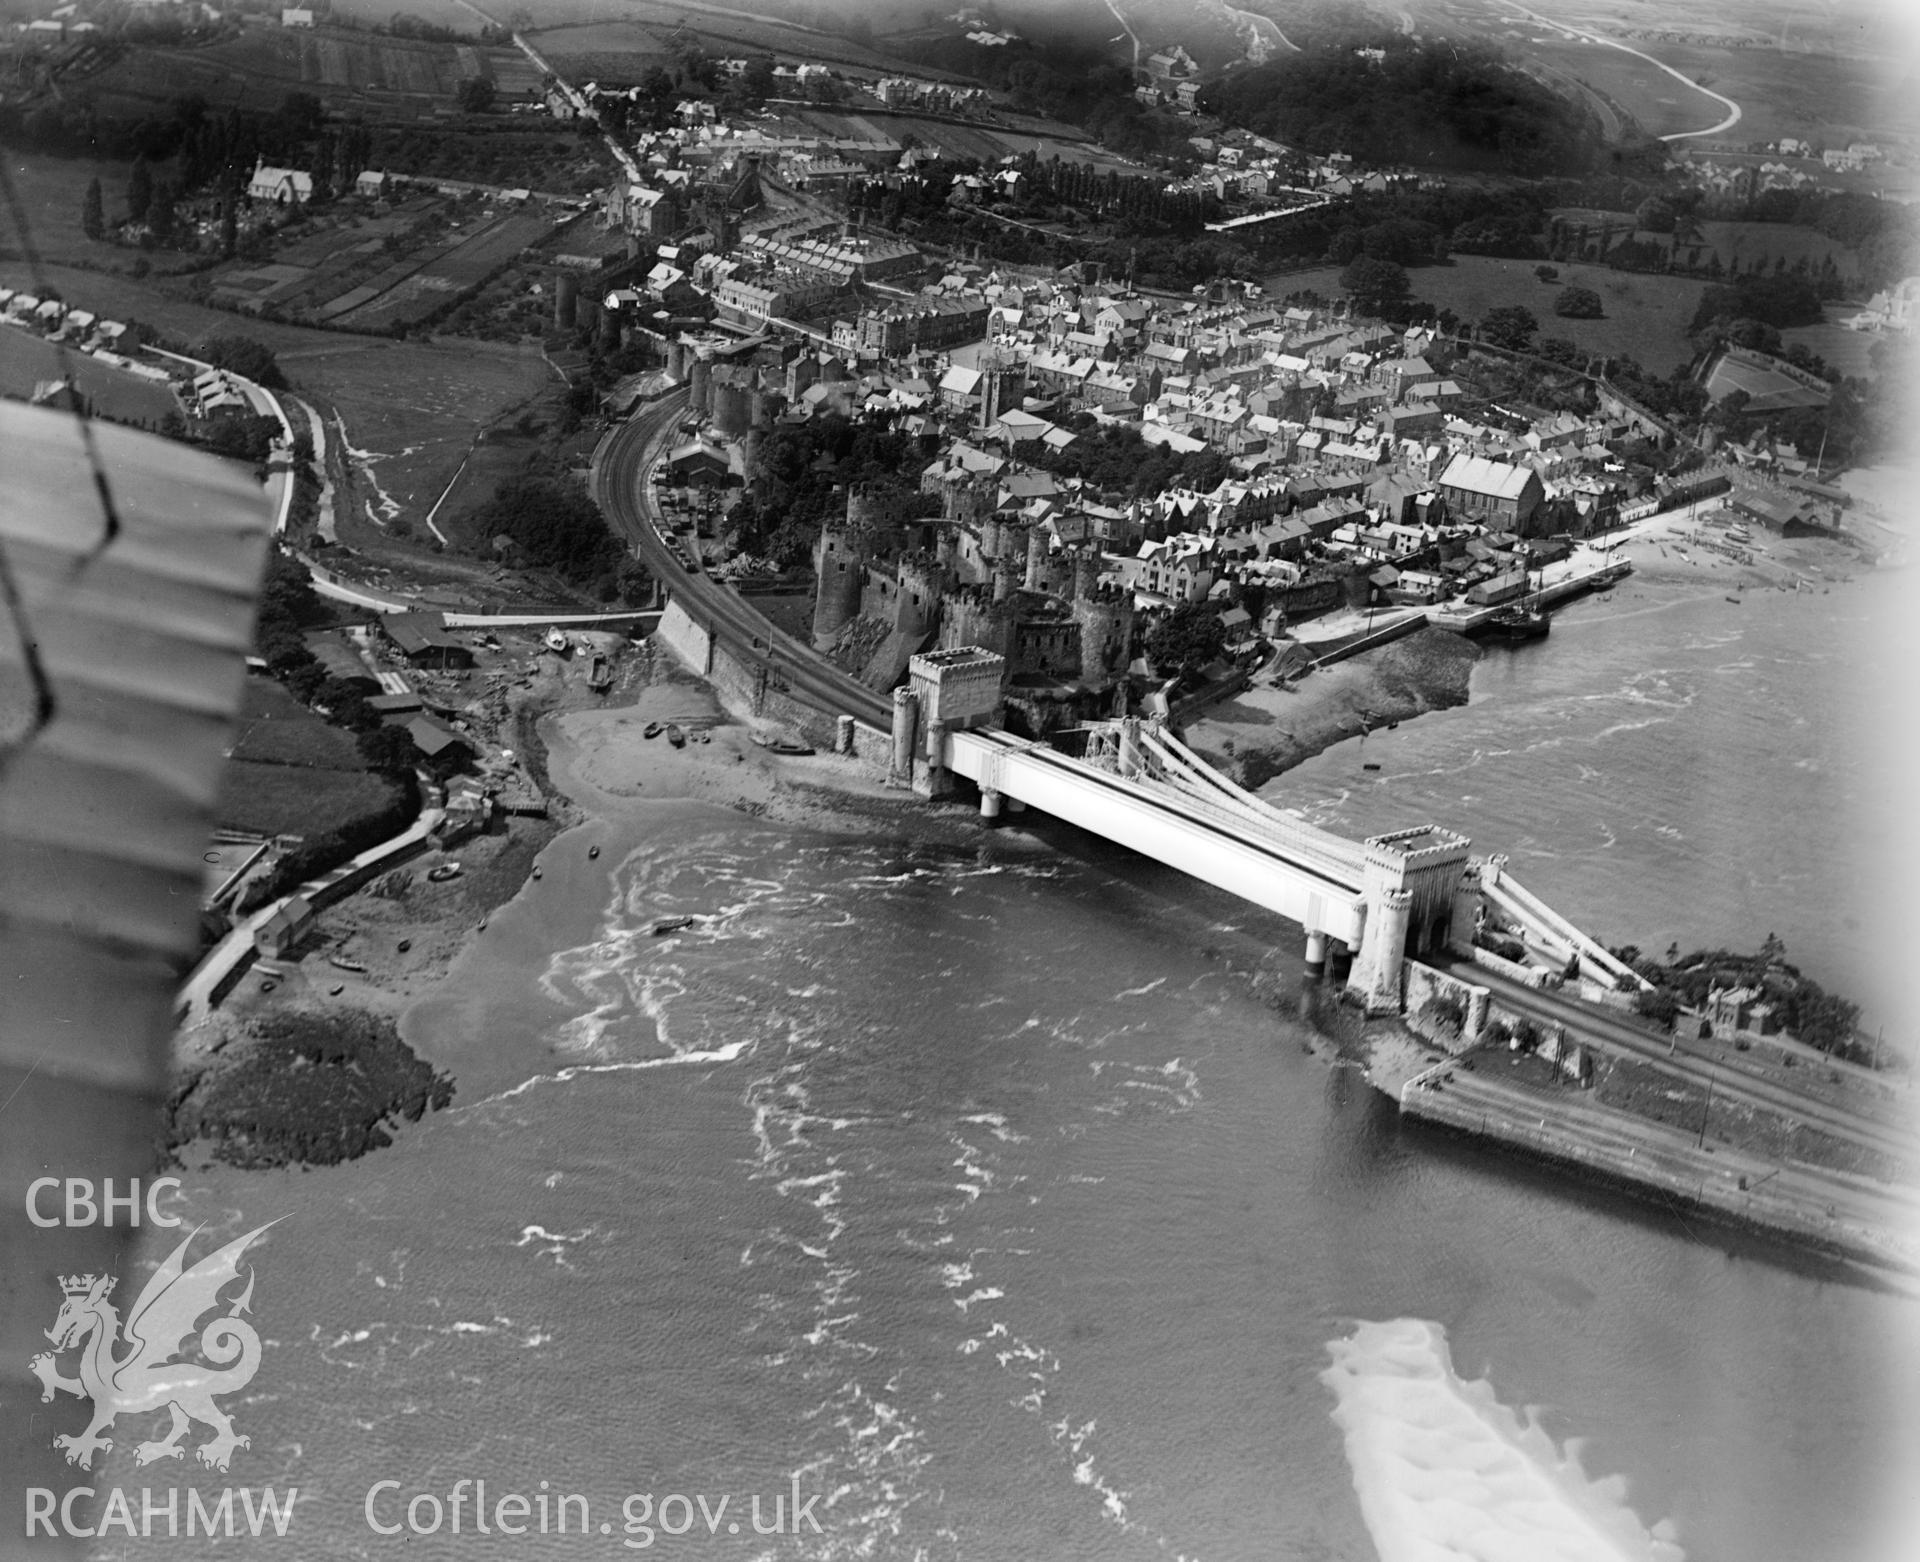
1622 1038
622 486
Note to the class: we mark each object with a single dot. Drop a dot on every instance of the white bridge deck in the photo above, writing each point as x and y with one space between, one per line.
1204 826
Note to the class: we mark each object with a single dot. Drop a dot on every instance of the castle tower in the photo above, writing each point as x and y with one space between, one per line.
1003 577
840 569
1037 546
1086 573
923 587
1105 619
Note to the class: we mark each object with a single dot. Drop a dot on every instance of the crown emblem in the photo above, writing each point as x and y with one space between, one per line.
80 1285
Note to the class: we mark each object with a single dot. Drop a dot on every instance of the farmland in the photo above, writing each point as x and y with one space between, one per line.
634 41
50 190
353 71
26 360
1646 316
288 800
1741 243
276 729
394 278
1831 80
292 774
411 407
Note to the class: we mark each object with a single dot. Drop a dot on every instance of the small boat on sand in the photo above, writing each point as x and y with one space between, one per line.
1369 767
781 744
558 643
446 870
654 729
675 735
346 965
592 852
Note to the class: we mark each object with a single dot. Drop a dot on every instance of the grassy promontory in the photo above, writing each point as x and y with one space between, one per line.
308 1088
1266 730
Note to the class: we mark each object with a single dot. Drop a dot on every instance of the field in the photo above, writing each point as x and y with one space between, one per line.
1845 351
618 43
50 191
292 774
426 280
276 729
347 70
1743 242
1775 390
289 800
1816 96
1837 78
1646 316
411 408
1658 104
27 359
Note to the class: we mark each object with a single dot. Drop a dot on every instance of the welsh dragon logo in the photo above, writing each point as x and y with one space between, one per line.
151 1373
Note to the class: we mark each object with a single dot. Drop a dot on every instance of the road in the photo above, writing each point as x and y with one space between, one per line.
622 486
1733 108
1622 1038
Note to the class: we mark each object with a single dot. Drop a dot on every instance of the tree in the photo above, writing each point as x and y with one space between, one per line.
757 83
93 215
1655 214
475 95
1373 284
160 214
389 749
243 356
1512 326
139 190
1659 1005
1547 273
1578 303
1187 638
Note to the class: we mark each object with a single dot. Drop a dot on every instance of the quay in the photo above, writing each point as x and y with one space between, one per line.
1849 1217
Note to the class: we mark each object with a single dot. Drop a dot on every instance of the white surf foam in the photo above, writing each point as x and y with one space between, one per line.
1446 1473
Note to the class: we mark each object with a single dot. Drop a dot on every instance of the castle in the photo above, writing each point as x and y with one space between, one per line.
977 575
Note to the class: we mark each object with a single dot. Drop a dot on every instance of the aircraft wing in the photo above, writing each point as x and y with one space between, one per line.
120 677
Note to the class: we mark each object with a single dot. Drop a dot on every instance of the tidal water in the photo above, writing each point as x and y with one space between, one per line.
979 1194
1672 767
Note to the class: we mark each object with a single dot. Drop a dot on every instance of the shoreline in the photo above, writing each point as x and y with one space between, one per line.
601 775
1264 732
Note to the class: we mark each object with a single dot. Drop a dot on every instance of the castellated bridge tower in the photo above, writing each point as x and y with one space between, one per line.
1411 879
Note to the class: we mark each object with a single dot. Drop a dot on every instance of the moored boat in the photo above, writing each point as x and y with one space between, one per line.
1512 625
